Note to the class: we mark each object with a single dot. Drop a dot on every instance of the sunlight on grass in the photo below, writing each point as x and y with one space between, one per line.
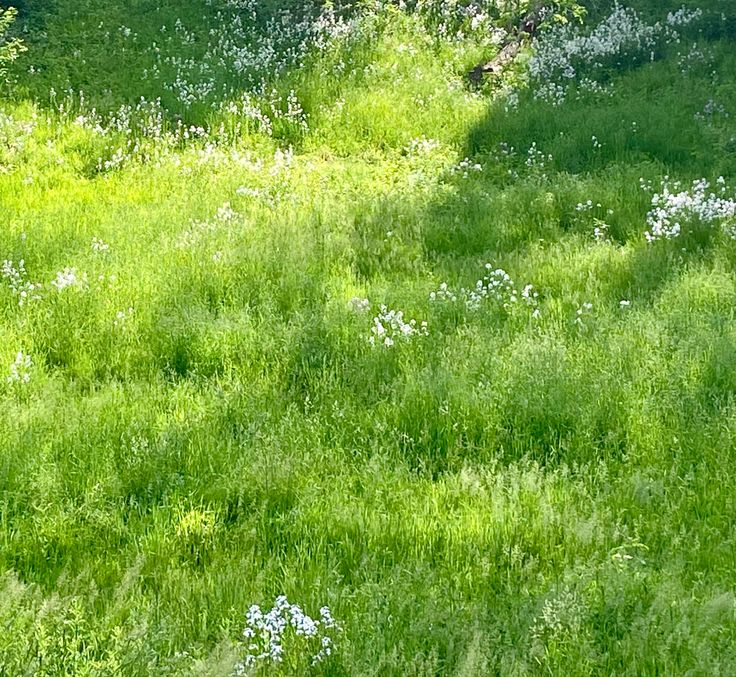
316 359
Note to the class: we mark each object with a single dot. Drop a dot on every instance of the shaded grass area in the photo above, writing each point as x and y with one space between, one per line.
507 495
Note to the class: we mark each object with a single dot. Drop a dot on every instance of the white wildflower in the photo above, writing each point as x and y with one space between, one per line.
466 167
565 50
69 278
270 635
359 305
581 313
99 246
122 316
600 232
673 207
17 279
496 286
389 326
20 369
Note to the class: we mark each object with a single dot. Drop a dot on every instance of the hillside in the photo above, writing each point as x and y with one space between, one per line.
290 307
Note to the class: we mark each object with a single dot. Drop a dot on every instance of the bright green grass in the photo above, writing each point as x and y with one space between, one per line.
505 496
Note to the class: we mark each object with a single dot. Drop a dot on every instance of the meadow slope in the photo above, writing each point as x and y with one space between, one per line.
288 307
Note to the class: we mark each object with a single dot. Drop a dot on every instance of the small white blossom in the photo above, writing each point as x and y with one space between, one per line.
600 232
536 159
359 305
421 147
466 167
17 279
20 369
581 313
443 294
389 326
496 285
99 247
122 316
69 278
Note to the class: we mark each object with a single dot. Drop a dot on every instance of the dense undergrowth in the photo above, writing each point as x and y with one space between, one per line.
288 307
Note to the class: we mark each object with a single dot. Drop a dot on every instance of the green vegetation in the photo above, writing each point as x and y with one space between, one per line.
194 417
9 48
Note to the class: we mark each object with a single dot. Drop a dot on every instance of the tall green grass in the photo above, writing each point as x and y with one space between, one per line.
205 425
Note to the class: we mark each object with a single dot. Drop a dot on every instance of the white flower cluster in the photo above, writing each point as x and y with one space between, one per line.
261 111
122 316
683 16
600 231
20 370
496 285
563 50
233 47
530 297
466 167
581 313
510 98
389 326
132 132
692 59
552 92
285 623
453 20
536 159
359 305
674 207
444 293
283 161
600 227
711 109
20 286
13 136
421 146
247 107
200 230
69 278
560 48
99 246
592 86
145 132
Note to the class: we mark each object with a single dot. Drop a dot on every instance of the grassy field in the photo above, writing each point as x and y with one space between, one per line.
223 231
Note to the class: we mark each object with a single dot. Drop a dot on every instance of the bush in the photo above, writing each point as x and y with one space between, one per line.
10 48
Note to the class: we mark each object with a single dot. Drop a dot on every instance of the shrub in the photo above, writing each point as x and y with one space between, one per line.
10 48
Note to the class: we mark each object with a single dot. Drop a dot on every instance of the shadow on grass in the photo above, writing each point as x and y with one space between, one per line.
528 198
170 54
